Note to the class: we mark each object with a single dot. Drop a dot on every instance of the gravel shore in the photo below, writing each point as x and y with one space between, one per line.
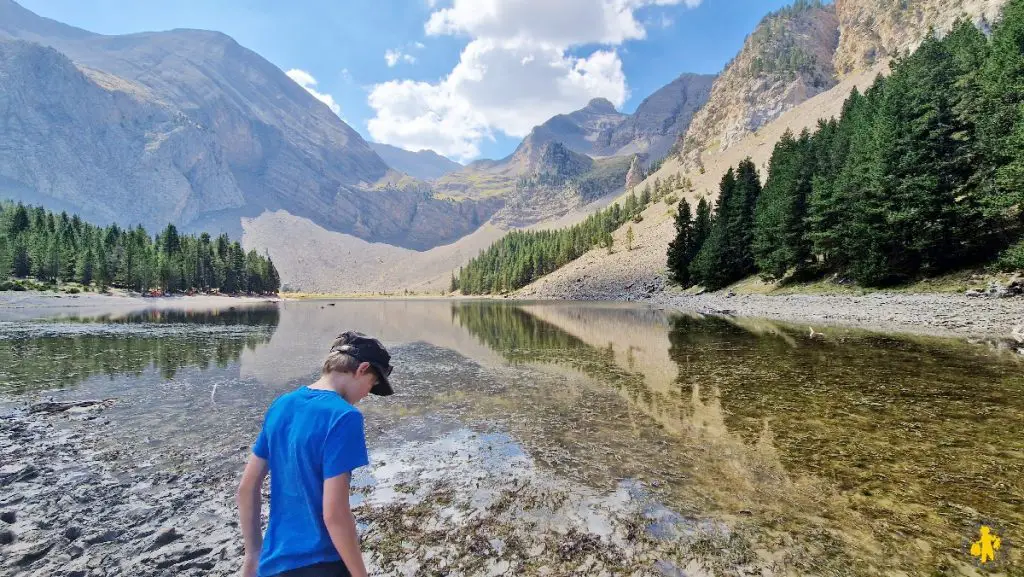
938 314
80 496
931 314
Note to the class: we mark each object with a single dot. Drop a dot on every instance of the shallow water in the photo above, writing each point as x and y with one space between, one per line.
749 443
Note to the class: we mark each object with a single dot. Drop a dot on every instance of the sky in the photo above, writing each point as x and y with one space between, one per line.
466 78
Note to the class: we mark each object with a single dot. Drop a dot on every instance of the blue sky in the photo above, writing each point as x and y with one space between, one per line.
511 70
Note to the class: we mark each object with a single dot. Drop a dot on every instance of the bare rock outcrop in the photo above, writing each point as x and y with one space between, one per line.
875 30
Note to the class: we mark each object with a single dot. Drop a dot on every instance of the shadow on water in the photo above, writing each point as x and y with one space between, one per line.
845 453
59 354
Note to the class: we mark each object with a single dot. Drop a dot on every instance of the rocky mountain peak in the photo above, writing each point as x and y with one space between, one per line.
659 120
601 106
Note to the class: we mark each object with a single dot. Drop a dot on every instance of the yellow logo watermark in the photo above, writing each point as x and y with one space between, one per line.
986 546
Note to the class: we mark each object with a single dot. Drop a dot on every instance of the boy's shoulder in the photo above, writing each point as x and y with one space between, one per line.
307 398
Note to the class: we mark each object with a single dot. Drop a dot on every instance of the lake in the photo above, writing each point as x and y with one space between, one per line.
653 439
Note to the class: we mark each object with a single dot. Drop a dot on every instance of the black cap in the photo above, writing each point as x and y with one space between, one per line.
369 350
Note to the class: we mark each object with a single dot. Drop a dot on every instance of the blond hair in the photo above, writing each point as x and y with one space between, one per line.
339 362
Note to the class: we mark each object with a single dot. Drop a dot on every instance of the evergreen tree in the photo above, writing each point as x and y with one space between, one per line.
779 235
1002 123
629 238
702 222
710 266
58 248
84 267
679 249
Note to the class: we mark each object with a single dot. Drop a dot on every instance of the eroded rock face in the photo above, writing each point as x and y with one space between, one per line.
874 30
785 61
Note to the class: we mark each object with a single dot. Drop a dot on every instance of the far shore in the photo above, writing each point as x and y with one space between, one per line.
22 305
935 314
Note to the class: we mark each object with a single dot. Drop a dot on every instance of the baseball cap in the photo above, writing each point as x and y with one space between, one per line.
367 349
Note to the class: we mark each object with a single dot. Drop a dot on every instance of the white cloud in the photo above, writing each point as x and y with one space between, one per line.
558 22
515 72
392 57
418 45
306 80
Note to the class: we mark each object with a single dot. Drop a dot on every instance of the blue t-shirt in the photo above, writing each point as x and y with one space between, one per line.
308 435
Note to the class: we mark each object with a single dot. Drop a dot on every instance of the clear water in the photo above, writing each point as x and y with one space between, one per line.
849 453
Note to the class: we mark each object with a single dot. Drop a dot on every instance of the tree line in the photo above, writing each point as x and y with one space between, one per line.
522 257
921 174
57 248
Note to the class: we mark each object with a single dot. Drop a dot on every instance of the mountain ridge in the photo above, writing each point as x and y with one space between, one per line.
423 164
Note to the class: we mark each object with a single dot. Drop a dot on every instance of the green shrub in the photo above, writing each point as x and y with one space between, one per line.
671 199
72 291
1013 257
11 285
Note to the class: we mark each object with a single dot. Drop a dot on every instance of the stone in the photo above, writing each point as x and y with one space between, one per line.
35 552
8 517
164 537
6 537
103 537
18 472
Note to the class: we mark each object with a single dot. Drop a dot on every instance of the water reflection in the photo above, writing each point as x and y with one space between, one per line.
60 354
883 453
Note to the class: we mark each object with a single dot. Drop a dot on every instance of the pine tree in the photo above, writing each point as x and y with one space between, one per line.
779 235
1002 126
84 267
710 266
679 249
702 222
629 238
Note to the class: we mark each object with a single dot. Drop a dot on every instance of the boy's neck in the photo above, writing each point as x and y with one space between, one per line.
326 383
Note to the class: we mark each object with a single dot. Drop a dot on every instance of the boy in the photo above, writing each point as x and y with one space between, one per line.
312 439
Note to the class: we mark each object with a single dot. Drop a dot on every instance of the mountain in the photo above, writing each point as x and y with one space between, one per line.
425 164
190 127
785 61
579 130
598 129
659 120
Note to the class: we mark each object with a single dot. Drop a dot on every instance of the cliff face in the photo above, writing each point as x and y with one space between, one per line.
69 142
874 30
785 61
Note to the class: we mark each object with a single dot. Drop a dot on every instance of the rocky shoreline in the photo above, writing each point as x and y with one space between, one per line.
81 497
993 315
992 319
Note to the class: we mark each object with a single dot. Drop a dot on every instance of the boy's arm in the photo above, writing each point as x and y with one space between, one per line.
249 509
341 524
